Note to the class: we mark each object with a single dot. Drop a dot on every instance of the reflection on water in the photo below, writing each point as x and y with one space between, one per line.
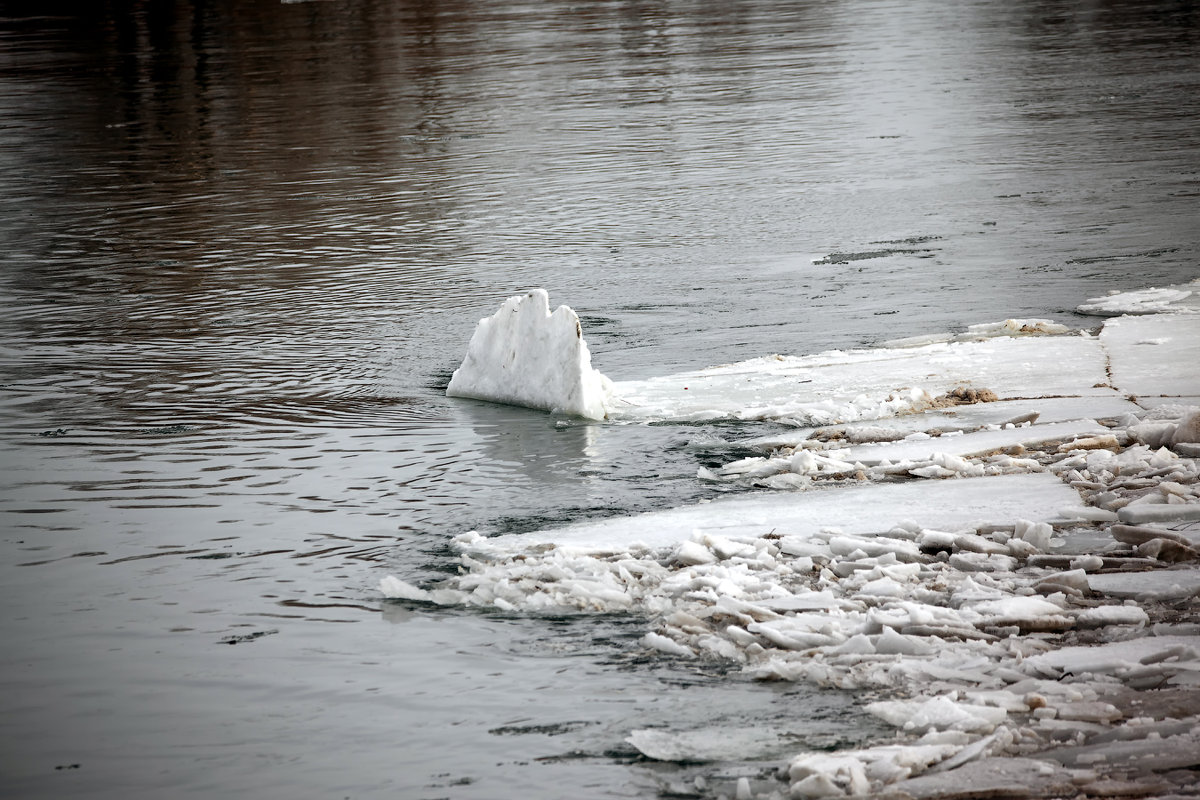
242 245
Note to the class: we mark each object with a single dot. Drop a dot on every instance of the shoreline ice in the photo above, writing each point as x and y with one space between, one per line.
1018 579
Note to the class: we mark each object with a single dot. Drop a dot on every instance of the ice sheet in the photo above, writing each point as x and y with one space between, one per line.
1114 656
523 355
1172 583
710 744
1155 355
868 508
995 777
842 386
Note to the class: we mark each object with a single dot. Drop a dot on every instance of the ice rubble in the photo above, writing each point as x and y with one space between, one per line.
1029 623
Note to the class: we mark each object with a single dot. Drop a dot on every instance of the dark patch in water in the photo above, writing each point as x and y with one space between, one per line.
440 379
168 429
553 729
555 519
1162 251
247 637
619 755
846 258
910 240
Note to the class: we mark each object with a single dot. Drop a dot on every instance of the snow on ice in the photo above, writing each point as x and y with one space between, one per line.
995 535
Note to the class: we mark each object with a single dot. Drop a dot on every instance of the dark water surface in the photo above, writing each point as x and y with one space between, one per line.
244 244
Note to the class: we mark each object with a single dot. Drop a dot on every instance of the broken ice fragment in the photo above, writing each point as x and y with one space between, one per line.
525 356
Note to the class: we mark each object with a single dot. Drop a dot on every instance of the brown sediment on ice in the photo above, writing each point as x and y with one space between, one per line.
963 396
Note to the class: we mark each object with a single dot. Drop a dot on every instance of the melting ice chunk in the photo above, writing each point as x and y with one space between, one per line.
525 356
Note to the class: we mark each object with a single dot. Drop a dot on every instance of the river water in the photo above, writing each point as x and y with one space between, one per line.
244 245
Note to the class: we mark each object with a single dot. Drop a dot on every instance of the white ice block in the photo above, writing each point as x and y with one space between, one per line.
525 356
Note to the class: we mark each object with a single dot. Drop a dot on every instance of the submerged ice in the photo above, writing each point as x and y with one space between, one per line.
997 535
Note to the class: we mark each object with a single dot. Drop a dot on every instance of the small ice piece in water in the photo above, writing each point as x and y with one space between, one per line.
396 589
525 356
715 743
665 644
1143 301
1037 534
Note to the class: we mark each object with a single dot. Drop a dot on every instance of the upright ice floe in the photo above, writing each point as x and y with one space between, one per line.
525 356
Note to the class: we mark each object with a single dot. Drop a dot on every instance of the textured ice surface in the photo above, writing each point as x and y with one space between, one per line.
976 443
991 778
918 455
938 713
966 418
1115 657
523 355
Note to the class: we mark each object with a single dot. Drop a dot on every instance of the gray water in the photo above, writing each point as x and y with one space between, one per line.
244 245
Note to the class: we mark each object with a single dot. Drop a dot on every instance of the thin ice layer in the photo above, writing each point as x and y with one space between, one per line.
1143 301
974 444
525 356
870 508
